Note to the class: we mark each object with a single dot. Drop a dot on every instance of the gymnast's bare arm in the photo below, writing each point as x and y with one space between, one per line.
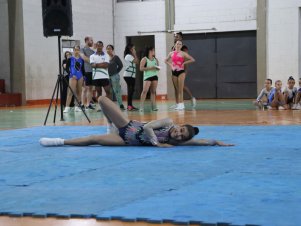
203 142
156 124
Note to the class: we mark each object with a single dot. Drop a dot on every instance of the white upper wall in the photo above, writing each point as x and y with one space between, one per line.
283 39
131 17
41 54
224 15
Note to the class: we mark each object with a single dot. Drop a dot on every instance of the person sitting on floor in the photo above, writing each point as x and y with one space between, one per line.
262 99
123 132
290 92
297 105
276 98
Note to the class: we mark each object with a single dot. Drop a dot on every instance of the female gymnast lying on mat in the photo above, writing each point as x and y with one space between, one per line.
123 132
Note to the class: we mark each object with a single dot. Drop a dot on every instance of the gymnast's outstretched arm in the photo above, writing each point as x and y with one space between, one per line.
203 142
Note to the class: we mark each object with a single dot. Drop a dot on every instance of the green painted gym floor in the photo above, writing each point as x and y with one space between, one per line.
21 117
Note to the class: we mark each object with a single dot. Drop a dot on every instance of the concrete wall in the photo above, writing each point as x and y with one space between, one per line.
283 39
4 37
41 54
148 16
224 15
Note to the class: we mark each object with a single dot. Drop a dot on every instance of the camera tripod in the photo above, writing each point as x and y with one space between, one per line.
58 90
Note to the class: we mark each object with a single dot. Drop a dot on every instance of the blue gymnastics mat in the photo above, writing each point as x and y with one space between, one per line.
258 181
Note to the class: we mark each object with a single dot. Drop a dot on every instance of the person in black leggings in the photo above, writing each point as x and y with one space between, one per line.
129 75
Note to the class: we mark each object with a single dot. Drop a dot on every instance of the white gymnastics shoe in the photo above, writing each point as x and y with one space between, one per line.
48 142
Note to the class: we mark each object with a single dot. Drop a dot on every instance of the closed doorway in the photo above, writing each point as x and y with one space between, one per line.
225 65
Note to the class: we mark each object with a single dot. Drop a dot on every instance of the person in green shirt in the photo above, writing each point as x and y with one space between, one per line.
150 67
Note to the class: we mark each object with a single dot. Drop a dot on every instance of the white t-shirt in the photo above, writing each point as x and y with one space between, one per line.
99 73
130 66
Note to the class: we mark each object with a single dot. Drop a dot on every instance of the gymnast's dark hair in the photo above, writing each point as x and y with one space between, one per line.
179 33
67 52
112 47
270 80
128 49
147 50
291 78
192 131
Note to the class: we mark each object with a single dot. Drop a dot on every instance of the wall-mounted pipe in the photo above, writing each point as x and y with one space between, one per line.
174 31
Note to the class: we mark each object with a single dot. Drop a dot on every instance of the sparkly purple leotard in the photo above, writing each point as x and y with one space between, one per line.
133 134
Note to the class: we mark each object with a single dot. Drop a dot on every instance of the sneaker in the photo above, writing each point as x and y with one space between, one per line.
122 107
298 107
193 102
281 108
180 107
90 107
77 109
67 109
155 109
132 108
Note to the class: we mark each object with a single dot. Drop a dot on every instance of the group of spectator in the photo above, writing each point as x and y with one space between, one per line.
274 98
91 66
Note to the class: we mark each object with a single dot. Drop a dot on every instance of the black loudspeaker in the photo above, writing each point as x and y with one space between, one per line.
57 18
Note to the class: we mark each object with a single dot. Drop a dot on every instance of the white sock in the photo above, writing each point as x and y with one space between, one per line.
48 142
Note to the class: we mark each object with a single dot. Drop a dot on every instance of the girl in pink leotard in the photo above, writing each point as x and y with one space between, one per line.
177 60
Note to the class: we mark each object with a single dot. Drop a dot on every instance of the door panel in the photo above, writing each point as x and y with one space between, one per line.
225 65
236 67
201 75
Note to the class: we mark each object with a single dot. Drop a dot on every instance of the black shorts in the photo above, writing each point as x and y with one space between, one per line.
153 78
101 82
88 79
177 73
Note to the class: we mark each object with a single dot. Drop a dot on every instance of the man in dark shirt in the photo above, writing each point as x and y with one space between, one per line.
86 52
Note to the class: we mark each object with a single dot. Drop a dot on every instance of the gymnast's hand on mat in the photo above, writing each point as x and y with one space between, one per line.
161 145
219 143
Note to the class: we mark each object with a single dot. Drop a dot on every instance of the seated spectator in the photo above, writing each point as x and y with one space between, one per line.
262 99
276 98
297 105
